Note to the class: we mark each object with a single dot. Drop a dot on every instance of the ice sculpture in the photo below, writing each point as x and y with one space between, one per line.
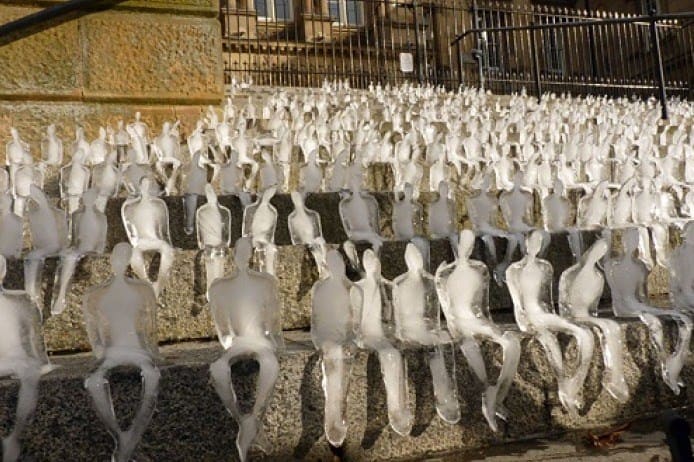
483 209
311 175
25 176
121 140
49 235
517 209
146 221
196 179
52 147
22 356
359 216
81 143
580 289
74 181
246 311
556 217
89 228
106 179
442 216
627 276
16 153
530 284
99 149
593 208
197 141
681 276
373 318
121 320
408 215
305 228
11 229
138 153
259 223
231 175
269 173
167 150
332 332
417 316
463 290
213 223
243 144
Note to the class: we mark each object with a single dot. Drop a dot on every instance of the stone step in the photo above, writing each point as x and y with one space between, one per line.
191 424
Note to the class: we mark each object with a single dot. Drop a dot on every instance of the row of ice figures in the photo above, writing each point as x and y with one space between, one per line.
439 313
337 132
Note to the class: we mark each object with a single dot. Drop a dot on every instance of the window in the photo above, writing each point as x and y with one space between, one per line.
274 10
648 5
493 43
347 12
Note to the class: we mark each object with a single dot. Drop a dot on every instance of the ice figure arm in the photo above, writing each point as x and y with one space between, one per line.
148 318
91 321
274 316
222 323
164 222
32 323
130 228
356 300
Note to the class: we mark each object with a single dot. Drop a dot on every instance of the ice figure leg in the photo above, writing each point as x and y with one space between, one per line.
33 271
500 269
100 391
285 175
190 206
613 357
655 332
645 246
220 373
68 263
100 202
511 351
137 262
129 439
19 205
676 361
335 364
269 258
471 350
214 265
490 247
395 378
73 203
444 387
167 260
26 404
661 243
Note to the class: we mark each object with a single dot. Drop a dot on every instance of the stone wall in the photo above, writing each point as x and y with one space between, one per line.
93 67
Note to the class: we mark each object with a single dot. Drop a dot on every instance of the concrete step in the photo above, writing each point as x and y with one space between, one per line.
191 424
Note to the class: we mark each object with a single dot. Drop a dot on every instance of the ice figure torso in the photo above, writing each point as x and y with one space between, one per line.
371 322
482 209
16 311
248 289
120 310
331 317
585 285
405 214
467 304
627 276
557 211
441 221
210 225
358 214
533 278
263 223
90 233
303 227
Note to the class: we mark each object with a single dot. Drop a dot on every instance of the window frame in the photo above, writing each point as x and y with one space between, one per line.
271 9
342 13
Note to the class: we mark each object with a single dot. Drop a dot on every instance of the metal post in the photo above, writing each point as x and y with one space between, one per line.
478 53
416 42
536 63
655 45
460 62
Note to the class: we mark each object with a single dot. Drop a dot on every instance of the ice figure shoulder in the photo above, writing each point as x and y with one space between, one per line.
304 223
213 222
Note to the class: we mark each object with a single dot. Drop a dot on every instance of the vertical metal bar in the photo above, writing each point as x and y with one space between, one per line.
417 55
536 63
655 45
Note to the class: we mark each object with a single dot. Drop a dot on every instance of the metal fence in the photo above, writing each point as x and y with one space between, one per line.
303 42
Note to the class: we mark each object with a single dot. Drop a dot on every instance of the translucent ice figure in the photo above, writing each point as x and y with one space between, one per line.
52 147
305 228
81 144
231 175
138 153
556 217
89 228
99 149
196 179
463 289
681 276
580 289
483 209
259 223
106 179
627 276
246 311
121 140
25 176
408 215
74 181
49 236
417 316
146 221
121 320
593 208
530 284
442 217
270 174
22 356
368 304
517 209
332 332
197 141
16 153
244 146
11 229
359 215
213 223
311 175
167 150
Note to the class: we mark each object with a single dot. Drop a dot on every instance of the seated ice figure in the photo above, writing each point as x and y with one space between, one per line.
11 229
121 141
99 149
106 179
408 215
196 179
213 223
360 219
557 217
270 174
22 356
593 208
81 144
627 276
49 236
372 318
463 290
442 217
89 229
530 284
580 289
17 153
197 142
52 147
25 176
167 151
332 332
121 320
417 316
311 174
517 209
146 221
305 228
231 175
259 223
246 311
138 153
74 181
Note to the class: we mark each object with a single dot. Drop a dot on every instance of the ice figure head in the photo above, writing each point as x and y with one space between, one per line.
120 258
413 258
51 130
166 128
371 263
146 187
335 264
14 133
102 133
243 251
466 244
534 243
210 194
297 199
407 191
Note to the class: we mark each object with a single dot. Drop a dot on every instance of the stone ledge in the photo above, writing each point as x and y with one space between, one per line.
189 408
191 7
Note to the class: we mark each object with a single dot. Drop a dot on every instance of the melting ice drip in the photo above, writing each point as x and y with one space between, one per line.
530 284
248 328
121 322
463 290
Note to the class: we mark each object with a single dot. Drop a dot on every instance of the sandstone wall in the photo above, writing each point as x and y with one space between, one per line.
162 56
